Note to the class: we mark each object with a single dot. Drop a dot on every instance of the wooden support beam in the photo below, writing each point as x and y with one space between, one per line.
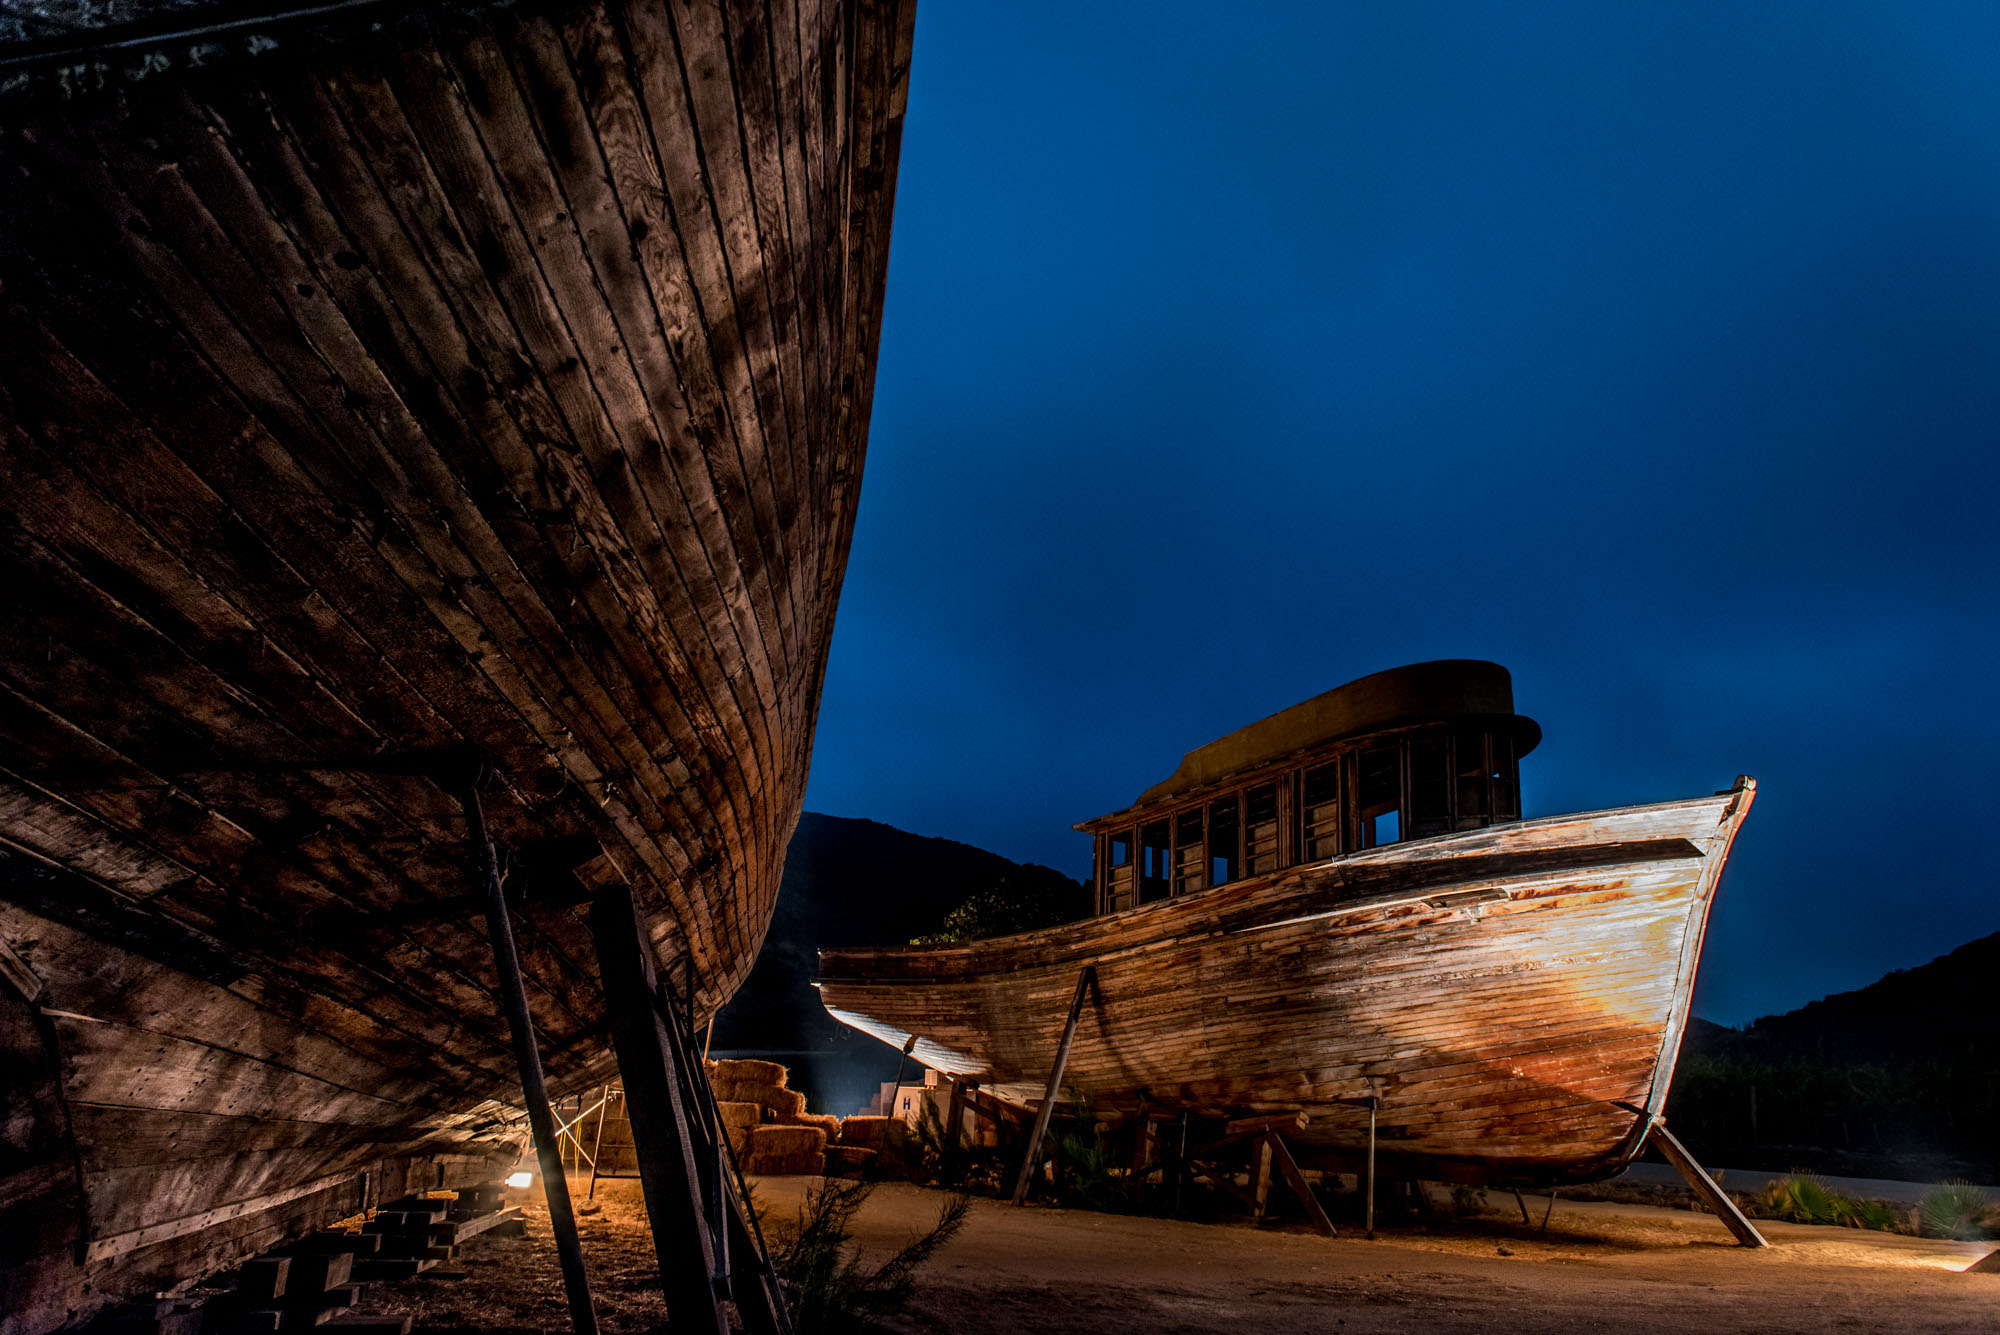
1055 1083
662 1134
521 1023
1260 1177
1705 1186
1368 1198
1281 1154
954 1131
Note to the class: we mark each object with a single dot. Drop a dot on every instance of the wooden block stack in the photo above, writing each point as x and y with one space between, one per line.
294 1291
405 1227
317 1279
151 1316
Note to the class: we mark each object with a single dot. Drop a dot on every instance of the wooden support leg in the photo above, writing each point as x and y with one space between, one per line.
1260 1176
954 1134
1281 1154
1705 1187
1180 1164
1549 1213
662 1134
521 1022
896 1094
1368 1199
597 1140
1055 1084
1526 1218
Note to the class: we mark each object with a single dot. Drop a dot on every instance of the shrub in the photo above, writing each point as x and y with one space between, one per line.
829 1291
1953 1210
1804 1198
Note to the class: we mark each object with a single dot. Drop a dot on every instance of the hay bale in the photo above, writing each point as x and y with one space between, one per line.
866 1130
736 1115
785 1151
830 1125
779 1100
770 1139
848 1161
786 1165
751 1072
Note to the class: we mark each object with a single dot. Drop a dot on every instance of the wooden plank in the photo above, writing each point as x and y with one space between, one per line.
661 1132
117 1244
1296 1180
1705 1187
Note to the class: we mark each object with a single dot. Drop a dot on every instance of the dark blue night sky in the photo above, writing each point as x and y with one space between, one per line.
1651 350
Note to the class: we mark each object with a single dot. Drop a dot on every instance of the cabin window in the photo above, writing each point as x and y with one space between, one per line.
1155 862
1190 864
1224 827
1379 796
1260 826
1506 778
1319 806
1118 887
1475 781
1430 787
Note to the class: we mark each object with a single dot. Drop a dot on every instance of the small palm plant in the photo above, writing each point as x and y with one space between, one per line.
1953 1210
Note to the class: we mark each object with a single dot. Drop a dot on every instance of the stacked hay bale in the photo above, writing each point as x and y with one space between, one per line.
767 1123
786 1151
876 1146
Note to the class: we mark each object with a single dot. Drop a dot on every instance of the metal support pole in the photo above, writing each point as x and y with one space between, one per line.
1368 1204
1055 1082
597 1140
514 993
896 1094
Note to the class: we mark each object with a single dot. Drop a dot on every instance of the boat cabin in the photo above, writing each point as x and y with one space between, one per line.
1415 751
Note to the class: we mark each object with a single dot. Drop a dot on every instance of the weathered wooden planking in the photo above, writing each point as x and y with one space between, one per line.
1500 1018
498 381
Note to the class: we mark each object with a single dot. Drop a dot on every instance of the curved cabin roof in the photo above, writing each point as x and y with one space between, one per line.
1448 688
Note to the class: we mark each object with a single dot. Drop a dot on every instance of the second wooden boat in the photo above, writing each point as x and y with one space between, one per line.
1509 995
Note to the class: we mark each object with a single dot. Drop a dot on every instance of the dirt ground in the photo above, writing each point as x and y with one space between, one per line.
1600 1267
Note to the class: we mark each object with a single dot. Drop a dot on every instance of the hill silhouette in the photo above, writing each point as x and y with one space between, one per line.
855 882
1942 1011
1900 1078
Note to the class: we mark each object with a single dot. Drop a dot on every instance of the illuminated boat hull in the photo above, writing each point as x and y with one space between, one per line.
1513 997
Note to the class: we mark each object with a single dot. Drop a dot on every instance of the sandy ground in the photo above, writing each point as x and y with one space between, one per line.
1601 1267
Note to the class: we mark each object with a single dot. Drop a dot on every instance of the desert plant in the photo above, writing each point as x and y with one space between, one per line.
1953 1210
1801 1198
1872 1214
1804 1198
829 1290
1088 1176
1467 1200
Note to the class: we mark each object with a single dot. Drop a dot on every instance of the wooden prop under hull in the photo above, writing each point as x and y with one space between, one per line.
1501 992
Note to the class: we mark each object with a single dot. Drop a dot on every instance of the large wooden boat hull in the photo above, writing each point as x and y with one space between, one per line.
389 388
1513 998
